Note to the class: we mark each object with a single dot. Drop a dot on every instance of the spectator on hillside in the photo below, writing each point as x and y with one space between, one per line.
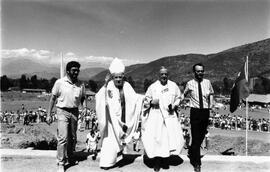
91 142
80 123
26 118
87 122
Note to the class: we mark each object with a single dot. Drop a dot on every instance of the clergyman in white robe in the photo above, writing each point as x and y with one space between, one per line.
109 112
162 134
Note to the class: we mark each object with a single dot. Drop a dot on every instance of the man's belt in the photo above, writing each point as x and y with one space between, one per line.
199 108
155 106
69 109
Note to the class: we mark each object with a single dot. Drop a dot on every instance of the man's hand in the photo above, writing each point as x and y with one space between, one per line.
107 79
170 108
212 107
124 128
49 119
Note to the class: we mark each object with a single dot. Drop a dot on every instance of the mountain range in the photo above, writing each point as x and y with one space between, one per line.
219 65
15 67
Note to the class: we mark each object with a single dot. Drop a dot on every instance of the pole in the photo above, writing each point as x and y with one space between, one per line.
247 125
61 66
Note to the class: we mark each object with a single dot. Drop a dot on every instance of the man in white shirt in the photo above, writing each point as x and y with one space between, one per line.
200 93
70 94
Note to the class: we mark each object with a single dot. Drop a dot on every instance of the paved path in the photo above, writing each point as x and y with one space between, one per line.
43 161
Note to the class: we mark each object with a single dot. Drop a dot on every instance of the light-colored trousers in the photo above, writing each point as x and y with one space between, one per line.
66 133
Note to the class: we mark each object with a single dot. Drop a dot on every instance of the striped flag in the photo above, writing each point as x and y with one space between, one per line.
240 88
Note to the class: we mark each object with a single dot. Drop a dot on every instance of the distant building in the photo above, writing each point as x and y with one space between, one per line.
28 90
257 98
14 89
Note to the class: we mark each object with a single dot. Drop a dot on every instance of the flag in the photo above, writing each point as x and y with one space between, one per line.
240 88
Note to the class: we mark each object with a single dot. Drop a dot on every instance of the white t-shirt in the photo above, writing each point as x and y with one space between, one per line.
69 95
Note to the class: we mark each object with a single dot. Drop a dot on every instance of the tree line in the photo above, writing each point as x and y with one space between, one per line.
23 82
261 86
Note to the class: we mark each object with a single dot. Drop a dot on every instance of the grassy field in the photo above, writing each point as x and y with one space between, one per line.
220 140
12 101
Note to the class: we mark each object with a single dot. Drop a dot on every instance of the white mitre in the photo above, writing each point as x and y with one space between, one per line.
117 66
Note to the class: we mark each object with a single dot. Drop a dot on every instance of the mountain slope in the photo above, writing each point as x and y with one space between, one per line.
101 76
88 73
224 64
217 66
15 67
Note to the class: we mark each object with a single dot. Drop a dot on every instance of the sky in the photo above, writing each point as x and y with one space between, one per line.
137 31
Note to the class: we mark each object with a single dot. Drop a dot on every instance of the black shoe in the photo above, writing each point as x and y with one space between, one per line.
156 169
197 168
94 157
71 162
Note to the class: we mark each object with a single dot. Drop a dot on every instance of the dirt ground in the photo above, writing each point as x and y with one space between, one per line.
44 164
36 135
220 140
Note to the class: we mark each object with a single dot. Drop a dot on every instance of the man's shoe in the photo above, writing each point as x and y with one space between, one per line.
60 168
197 168
156 169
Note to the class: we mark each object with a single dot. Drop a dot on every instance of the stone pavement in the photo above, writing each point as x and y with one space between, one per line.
23 160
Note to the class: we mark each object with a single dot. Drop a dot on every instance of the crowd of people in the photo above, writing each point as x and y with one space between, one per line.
87 120
236 122
231 122
25 116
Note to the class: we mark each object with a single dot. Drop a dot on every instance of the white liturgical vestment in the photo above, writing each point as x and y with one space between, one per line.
109 112
162 134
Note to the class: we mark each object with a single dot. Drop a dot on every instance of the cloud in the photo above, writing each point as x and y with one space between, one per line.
26 53
100 59
50 57
107 60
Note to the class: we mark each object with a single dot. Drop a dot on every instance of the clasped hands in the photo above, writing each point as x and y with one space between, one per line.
171 108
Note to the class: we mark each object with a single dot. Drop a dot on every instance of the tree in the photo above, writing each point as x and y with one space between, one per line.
5 83
23 82
44 84
131 82
227 83
51 83
34 81
146 84
92 85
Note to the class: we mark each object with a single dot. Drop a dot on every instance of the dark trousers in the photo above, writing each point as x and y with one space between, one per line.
199 119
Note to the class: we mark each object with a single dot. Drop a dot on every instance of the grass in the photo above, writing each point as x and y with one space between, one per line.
220 140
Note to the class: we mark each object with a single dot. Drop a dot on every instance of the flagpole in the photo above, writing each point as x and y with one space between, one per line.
61 66
247 125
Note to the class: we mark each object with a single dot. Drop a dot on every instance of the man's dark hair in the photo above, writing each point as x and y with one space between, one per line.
197 64
72 64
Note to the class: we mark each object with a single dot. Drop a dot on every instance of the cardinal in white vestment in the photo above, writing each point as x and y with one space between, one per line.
118 109
162 134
